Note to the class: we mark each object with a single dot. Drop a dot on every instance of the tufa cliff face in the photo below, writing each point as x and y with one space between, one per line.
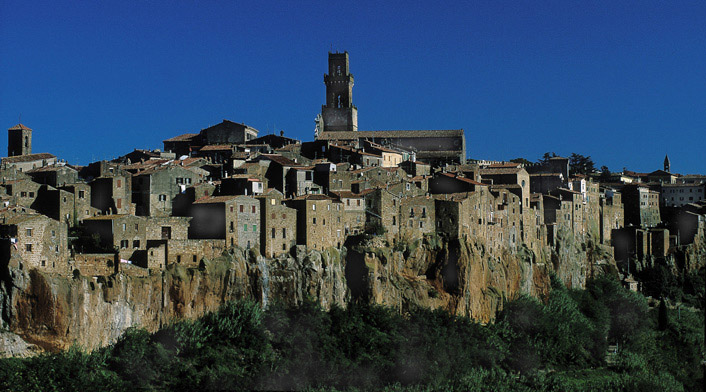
52 312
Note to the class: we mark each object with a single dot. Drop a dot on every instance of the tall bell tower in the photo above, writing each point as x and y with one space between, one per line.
19 141
339 114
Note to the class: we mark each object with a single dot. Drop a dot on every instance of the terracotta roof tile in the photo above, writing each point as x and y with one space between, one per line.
19 127
28 157
182 138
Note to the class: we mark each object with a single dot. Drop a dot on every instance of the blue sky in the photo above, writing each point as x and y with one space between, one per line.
621 81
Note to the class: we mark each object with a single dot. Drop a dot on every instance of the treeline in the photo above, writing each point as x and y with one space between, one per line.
560 344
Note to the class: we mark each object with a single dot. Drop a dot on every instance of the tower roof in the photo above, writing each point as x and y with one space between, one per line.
19 127
666 159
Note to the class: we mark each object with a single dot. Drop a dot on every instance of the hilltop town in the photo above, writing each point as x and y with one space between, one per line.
227 188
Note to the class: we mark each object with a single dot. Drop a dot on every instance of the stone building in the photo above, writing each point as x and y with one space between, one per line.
125 233
226 132
612 215
339 122
111 190
641 205
278 233
317 226
417 217
54 175
677 195
235 219
19 141
353 217
509 176
30 241
447 183
25 163
154 189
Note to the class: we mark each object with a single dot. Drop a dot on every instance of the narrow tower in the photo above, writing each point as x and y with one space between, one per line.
339 114
666 163
19 141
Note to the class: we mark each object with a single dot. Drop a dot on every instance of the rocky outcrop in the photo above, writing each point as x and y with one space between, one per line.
54 312
464 277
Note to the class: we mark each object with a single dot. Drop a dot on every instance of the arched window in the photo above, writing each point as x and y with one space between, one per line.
26 141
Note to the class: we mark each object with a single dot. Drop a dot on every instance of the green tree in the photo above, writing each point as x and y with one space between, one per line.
579 164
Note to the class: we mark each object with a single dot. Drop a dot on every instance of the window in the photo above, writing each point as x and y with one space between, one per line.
29 232
123 244
119 203
119 183
28 247
324 222
284 232
314 221
313 207
394 221
232 226
178 259
136 244
272 201
242 208
254 228
245 227
124 227
348 202
407 186
253 209
284 246
162 197
53 233
137 227
23 194
284 216
44 263
231 208
273 232
421 224
81 194
31 194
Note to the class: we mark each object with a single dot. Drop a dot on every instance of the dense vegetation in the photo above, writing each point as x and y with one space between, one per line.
556 345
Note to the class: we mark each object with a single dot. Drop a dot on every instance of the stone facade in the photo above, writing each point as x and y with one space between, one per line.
236 219
34 241
154 189
279 225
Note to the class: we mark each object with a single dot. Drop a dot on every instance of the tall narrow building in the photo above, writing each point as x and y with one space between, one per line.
19 141
666 163
339 114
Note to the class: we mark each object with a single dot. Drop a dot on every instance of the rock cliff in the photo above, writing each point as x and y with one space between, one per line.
53 312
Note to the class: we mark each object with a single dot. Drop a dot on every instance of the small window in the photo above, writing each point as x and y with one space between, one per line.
231 208
284 232
324 222
31 194
29 232
272 201
162 197
23 194
313 207
123 244
245 227
28 247
81 194
120 183
178 259
137 227
314 221
44 263
254 228
242 208
273 232
53 233
124 227
136 244
253 209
